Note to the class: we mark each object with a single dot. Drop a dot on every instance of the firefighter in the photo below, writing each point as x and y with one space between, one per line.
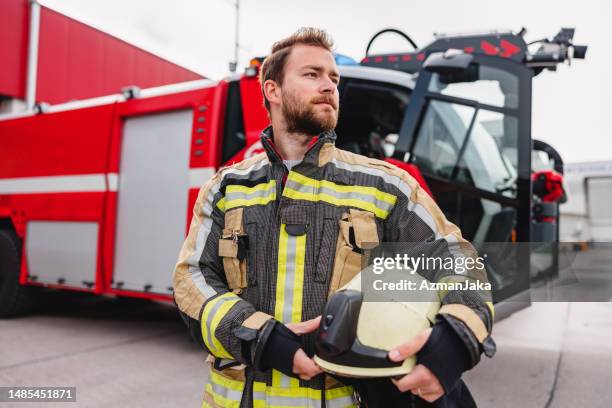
273 236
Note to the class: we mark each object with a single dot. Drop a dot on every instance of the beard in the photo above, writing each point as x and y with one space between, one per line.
301 117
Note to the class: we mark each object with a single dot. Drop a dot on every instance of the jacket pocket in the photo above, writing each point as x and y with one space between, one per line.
234 248
357 232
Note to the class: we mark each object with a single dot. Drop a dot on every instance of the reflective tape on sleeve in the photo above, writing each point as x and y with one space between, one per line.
214 311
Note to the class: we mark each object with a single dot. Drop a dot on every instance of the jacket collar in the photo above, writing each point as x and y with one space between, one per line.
312 154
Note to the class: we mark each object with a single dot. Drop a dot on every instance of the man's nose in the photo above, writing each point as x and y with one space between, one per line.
328 86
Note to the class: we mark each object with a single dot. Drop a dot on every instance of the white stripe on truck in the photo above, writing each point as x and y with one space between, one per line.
84 183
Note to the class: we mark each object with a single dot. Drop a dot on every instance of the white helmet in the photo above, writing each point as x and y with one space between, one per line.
355 336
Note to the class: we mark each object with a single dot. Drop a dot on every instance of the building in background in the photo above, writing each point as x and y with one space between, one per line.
49 57
587 214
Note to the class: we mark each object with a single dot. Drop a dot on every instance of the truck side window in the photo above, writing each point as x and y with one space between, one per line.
370 117
233 133
441 135
475 141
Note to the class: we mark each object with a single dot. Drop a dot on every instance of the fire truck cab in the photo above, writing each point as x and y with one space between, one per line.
96 195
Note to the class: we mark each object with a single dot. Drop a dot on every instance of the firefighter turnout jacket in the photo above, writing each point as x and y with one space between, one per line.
269 245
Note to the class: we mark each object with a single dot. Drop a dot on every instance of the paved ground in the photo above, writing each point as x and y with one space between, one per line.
551 355
142 358
136 354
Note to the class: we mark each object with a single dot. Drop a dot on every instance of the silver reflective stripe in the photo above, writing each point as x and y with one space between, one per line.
453 246
425 216
400 184
239 195
225 392
194 259
285 381
418 209
341 402
198 279
388 178
280 401
352 195
238 172
211 316
243 172
204 230
289 278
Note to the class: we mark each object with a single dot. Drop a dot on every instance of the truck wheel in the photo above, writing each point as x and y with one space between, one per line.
14 298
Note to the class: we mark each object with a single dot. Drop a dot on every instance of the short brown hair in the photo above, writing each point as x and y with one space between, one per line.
273 66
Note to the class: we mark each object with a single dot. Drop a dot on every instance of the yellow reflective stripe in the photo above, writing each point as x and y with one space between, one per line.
365 197
298 283
222 400
251 201
294 382
242 196
491 309
372 191
221 204
277 380
237 188
221 305
281 276
340 202
279 301
274 397
316 184
225 307
226 382
289 289
225 392
292 392
243 192
338 392
260 404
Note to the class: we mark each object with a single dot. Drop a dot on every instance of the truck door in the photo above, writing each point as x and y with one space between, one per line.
468 131
245 118
164 150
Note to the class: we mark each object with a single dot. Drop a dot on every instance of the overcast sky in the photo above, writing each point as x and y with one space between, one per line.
572 108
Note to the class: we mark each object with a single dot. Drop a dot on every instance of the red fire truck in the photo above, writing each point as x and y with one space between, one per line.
96 195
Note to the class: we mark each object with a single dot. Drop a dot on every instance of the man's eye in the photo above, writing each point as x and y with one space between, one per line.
311 74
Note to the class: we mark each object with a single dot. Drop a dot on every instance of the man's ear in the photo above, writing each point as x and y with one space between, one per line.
272 91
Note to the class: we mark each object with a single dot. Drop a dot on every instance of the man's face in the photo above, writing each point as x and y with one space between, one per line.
309 91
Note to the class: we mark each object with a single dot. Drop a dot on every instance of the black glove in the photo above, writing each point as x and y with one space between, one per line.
280 349
445 355
272 346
